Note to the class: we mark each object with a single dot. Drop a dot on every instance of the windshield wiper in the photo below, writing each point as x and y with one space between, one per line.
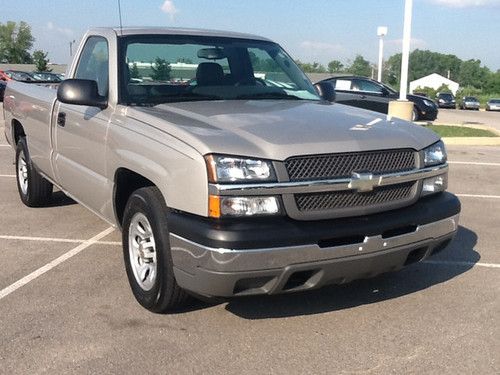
268 95
185 97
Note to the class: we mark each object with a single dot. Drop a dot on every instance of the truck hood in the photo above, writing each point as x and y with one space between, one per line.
278 129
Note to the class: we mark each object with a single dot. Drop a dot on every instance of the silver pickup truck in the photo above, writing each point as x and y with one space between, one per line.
227 171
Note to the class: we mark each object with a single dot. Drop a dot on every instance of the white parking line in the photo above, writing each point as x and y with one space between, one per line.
32 276
474 163
51 239
8 175
462 263
4 145
478 196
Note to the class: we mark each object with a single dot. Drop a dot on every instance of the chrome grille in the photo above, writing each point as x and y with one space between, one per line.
321 167
349 199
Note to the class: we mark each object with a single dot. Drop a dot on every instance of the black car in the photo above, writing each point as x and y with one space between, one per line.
370 94
3 84
446 100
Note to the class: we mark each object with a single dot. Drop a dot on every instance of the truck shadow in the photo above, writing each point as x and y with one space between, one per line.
412 279
59 199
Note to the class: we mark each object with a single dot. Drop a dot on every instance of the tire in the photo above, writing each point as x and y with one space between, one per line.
414 115
146 251
34 190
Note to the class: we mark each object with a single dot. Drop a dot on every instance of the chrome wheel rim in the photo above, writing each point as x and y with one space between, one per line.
142 251
22 173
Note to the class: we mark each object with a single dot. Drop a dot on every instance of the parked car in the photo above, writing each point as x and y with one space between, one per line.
3 84
21 76
367 93
493 105
46 76
470 102
446 100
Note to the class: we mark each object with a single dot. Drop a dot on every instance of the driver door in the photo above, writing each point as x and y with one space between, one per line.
80 133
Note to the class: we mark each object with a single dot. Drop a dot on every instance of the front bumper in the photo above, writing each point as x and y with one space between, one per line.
281 255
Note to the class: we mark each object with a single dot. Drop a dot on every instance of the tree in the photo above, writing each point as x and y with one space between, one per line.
134 72
161 69
335 66
360 67
472 74
41 61
15 42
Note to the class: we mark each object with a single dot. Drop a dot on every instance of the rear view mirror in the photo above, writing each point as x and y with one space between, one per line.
211 53
81 92
325 91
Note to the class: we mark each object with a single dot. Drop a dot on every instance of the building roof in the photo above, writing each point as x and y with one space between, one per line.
436 76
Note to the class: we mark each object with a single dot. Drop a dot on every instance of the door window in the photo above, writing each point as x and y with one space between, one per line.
94 63
367 86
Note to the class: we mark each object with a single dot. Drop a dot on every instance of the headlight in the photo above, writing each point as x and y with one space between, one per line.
222 168
435 154
242 206
428 103
435 184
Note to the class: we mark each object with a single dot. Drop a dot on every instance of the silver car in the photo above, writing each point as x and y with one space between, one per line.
493 105
470 102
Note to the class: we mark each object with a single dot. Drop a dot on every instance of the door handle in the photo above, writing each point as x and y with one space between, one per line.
61 119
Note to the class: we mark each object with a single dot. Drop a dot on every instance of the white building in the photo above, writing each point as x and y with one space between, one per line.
434 81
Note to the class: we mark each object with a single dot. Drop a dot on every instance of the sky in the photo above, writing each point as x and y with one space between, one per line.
310 30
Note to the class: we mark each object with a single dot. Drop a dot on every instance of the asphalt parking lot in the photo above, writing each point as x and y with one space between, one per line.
66 307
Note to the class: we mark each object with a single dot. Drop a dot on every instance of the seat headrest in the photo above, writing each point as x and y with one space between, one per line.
209 74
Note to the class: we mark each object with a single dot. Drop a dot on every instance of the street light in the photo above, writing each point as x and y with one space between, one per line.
381 32
71 47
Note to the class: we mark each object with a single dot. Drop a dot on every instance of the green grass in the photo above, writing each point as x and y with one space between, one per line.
460 131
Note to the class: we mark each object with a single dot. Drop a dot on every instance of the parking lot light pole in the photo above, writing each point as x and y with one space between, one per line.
403 108
381 32
403 86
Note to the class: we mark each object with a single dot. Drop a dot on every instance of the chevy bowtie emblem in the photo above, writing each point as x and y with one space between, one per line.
362 182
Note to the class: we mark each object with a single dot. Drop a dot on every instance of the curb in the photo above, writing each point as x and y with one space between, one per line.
472 141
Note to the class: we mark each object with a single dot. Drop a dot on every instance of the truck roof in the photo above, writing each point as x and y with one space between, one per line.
178 31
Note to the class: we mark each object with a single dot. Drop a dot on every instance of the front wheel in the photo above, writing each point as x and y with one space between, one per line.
34 190
414 114
146 251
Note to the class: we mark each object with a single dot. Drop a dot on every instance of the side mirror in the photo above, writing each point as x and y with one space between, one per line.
81 92
325 90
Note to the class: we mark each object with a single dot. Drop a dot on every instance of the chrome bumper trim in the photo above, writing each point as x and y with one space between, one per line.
318 186
188 255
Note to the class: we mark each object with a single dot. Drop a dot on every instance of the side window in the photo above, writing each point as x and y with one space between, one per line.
343 84
367 86
94 63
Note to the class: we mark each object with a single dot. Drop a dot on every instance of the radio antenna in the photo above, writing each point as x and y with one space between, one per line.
120 14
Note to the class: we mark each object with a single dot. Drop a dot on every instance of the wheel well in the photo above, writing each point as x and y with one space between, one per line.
126 182
17 131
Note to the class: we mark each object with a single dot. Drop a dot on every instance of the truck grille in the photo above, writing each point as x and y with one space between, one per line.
321 167
350 199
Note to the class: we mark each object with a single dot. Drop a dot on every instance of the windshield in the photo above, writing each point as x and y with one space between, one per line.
470 99
446 96
495 101
389 88
159 69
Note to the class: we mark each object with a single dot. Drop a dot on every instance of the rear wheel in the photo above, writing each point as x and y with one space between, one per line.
34 190
146 251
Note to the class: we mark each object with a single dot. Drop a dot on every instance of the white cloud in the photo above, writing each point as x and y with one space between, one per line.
414 43
323 47
61 30
169 8
466 3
